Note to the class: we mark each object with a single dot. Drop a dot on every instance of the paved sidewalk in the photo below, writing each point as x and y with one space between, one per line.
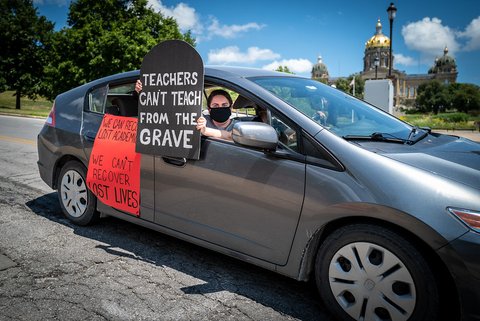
473 135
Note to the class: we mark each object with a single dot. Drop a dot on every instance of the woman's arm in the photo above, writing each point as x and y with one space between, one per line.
212 132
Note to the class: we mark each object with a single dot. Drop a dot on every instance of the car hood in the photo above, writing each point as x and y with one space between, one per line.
452 157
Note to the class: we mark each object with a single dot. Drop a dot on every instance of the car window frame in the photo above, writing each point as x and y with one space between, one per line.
283 151
328 160
87 105
107 84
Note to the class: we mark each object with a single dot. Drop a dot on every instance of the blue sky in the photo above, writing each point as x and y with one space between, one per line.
266 33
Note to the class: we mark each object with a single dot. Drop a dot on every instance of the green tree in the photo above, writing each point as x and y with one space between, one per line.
359 85
346 85
322 80
104 38
432 97
343 84
464 97
284 69
24 39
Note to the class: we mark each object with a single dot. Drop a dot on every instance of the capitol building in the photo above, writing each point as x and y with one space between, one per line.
376 65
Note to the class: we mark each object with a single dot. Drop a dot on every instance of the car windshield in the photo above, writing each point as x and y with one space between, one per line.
340 113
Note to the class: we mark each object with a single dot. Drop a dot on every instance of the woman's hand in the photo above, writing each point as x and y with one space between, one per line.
201 124
212 132
138 86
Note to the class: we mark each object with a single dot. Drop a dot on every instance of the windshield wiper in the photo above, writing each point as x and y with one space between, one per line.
381 137
417 134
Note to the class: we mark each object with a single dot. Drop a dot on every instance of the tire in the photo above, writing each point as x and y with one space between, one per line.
77 202
366 272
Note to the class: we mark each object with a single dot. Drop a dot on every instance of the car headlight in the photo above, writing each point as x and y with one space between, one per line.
468 217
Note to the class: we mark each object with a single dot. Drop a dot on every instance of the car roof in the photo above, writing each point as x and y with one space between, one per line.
242 72
230 73
213 71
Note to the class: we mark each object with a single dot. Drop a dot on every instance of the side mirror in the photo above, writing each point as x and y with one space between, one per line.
255 134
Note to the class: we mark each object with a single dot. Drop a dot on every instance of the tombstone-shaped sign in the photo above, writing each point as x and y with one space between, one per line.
170 101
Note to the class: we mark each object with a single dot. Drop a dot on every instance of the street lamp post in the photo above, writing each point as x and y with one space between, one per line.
392 10
376 62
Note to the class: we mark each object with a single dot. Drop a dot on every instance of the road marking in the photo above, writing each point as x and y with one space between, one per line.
18 140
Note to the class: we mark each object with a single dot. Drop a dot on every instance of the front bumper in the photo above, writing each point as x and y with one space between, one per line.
462 257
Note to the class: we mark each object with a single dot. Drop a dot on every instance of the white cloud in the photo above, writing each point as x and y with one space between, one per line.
186 16
298 66
400 59
429 36
188 19
472 33
232 54
231 31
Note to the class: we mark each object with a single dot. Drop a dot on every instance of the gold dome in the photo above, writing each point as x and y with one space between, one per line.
379 40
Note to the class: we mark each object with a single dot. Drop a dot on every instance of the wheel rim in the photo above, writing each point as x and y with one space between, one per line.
371 283
74 193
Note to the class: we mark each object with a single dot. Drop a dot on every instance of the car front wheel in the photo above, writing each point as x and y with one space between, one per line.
77 202
366 272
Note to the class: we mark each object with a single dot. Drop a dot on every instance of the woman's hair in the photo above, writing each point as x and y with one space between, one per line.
219 92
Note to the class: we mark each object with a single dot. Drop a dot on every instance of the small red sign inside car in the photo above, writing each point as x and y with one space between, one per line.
114 167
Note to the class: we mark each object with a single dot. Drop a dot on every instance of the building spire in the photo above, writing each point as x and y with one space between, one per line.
378 27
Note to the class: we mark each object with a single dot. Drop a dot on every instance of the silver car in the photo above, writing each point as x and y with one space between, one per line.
384 216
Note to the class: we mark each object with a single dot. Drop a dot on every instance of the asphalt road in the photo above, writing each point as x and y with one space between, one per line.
115 270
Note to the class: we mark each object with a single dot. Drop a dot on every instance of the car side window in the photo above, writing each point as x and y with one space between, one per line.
96 99
122 100
287 135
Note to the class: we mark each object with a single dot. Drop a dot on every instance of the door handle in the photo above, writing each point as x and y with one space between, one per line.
177 161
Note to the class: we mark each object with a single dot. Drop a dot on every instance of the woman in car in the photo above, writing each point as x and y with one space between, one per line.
218 123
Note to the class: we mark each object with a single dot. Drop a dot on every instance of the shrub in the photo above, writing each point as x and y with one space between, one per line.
453 117
441 121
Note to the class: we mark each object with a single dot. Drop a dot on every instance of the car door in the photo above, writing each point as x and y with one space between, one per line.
98 100
242 199
93 112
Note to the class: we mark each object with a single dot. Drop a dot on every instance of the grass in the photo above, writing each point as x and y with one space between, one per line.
38 108
441 121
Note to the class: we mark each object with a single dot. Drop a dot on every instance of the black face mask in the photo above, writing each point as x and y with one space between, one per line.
220 114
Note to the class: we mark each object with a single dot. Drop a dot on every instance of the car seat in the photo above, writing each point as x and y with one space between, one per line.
127 105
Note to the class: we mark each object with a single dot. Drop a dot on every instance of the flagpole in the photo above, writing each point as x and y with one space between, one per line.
352 83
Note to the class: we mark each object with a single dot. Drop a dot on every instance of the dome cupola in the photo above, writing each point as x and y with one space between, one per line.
377 50
444 64
319 70
379 40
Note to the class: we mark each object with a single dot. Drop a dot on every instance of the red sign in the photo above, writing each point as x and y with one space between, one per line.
114 169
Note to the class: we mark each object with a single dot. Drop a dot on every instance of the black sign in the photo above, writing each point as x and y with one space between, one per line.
170 101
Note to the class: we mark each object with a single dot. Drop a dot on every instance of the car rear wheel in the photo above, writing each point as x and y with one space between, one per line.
366 272
76 200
